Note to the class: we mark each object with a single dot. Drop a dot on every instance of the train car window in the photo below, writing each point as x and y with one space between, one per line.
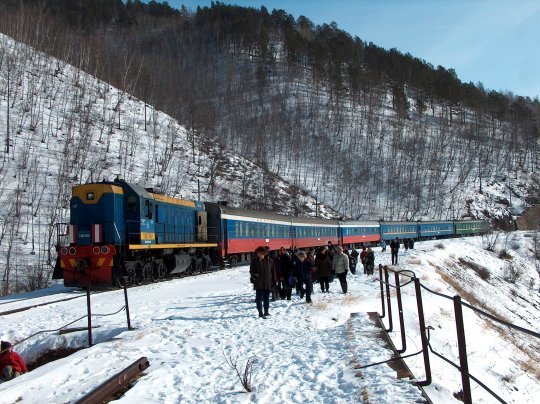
149 206
90 196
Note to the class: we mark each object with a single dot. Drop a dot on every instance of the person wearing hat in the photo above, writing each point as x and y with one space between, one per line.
263 276
340 265
304 270
11 363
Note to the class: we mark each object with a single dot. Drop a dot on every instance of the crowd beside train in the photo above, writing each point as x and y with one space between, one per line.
275 275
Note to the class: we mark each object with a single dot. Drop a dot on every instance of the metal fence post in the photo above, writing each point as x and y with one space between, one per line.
382 291
400 314
462 346
423 337
388 300
89 313
127 303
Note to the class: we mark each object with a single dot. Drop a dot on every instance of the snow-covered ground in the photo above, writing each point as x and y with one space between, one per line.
304 352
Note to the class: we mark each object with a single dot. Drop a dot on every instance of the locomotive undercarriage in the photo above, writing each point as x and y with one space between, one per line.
144 266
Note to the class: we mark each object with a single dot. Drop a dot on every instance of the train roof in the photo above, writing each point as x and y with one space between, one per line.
382 222
248 214
435 221
359 223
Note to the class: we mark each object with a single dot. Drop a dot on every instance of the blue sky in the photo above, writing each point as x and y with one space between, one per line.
496 42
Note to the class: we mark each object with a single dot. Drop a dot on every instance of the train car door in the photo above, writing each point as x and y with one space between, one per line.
202 226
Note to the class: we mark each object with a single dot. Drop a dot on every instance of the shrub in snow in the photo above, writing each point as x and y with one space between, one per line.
511 273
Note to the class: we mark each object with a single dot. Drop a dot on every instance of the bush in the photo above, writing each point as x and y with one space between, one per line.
503 254
511 273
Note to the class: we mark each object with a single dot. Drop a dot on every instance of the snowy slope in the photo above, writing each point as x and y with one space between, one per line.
305 353
66 128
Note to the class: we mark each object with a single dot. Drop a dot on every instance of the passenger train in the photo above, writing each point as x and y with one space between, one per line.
119 230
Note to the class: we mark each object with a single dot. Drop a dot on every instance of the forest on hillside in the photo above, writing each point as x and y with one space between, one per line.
371 132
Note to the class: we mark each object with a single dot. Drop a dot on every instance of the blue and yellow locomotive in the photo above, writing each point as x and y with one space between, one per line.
118 229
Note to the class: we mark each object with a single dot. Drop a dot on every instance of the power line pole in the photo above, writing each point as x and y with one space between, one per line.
7 120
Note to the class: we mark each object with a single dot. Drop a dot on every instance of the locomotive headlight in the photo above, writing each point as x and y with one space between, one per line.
63 251
95 250
104 250
72 250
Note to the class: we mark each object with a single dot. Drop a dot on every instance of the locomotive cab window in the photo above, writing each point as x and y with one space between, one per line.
90 196
132 203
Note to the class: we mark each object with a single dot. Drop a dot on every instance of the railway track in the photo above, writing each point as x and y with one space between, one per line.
20 309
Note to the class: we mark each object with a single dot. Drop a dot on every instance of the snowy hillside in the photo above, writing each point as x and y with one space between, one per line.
304 352
63 127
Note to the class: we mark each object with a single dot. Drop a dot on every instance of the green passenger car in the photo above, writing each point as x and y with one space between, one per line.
471 227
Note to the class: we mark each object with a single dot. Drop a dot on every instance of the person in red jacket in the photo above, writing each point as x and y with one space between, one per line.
11 363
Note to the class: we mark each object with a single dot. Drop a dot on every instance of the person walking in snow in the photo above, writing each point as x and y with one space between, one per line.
11 363
383 245
370 261
304 270
340 265
285 276
331 250
324 268
363 259
394 249
353 256
263 276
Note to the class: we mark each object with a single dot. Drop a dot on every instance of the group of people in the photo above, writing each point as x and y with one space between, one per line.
276 275
11 363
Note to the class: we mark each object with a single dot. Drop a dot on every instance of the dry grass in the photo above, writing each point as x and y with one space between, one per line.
414 261
530 367
320 305
531 364
480 270
348 298
365 396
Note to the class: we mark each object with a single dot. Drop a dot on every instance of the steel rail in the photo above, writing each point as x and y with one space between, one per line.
116 383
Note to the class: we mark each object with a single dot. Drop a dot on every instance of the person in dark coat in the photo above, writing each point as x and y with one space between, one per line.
331 250
411 243
324 268
340 266
11 363
394 249
406 244
370 261
363 259
263 276
304 270
277 268
285 263
353 256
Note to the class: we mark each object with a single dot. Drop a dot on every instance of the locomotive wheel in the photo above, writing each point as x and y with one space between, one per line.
138 277
147 272
158 272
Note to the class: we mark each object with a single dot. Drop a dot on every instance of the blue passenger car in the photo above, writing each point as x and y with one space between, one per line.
435 229
401 230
